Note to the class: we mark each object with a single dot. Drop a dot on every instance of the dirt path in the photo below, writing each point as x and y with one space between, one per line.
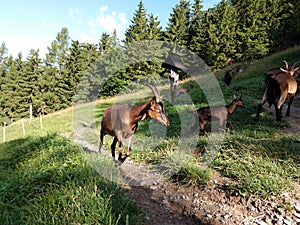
168 203
294 119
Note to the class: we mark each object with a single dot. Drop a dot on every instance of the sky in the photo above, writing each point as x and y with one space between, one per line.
34 24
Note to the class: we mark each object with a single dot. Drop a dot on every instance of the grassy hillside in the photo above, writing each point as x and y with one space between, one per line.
47 179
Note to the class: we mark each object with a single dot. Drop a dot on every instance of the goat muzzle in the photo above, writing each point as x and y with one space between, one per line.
164 120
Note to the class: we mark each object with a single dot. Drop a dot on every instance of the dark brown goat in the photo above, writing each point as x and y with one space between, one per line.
221 113
228 77
121 121
278 88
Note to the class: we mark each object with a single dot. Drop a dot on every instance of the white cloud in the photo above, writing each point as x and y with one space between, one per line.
20 44
122 18
76 14
102 9
106 21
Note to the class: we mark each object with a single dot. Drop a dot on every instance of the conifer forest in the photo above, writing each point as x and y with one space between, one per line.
244 30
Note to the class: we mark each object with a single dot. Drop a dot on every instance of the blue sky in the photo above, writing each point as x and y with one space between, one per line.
34 24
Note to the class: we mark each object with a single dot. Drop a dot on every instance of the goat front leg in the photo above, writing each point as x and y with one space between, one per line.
122 158
120 150
203 127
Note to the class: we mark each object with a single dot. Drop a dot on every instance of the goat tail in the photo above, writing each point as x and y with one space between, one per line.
273 90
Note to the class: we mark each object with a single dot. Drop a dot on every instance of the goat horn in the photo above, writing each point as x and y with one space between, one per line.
286 64
283 70
294 64
155 92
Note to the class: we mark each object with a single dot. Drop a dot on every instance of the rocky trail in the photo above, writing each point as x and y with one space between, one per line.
167 203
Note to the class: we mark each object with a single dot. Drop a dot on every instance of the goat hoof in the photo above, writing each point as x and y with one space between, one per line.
117 162
122 157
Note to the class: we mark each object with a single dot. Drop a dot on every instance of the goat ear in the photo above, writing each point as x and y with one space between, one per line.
240 97
153 103
283 70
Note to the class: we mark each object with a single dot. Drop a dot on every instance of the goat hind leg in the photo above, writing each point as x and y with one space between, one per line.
278 113
289 106
281 101
101 140
113 147
259 108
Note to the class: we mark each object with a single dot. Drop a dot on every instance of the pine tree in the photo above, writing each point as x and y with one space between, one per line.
137 31
196 37
56 71
226 22
138 47
29 81
11 96
285 30
81 57
154 29
177 31
252 30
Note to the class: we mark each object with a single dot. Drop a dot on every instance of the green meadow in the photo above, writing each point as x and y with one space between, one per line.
46 178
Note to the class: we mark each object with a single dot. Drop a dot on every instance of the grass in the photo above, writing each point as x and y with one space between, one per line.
47 179
262 162
263 167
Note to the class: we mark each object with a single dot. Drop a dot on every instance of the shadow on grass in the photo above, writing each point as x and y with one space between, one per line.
46 180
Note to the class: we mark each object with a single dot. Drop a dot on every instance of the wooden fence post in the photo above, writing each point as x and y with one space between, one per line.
23 127
30 113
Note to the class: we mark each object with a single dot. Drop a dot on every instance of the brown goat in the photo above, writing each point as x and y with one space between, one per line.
221 113
121 121
278 88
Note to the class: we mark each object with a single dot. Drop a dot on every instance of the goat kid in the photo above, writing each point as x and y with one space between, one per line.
121 121
278 88
221 113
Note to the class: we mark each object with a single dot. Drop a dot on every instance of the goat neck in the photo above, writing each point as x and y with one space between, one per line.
237 102
138 113
231 107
